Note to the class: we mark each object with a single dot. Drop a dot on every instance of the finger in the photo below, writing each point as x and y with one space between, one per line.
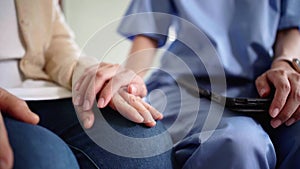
102 78
16 108
282 86
83 84
121 79
87 118
137 89
155 113
137 104
87 71
92 84
295 99
288 110
6 154
295 117
79 94
86 93
126 110
262 85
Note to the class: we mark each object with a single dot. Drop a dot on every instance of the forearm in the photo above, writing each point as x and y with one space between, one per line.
287 44
62 53
141 55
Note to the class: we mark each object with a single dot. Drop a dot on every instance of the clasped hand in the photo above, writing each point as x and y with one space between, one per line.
117 87
284 108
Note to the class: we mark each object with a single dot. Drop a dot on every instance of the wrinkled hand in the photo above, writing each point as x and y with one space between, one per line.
134 108
17 109
104 80
286 81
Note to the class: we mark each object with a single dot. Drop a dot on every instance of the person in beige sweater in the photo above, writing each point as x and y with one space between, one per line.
39 60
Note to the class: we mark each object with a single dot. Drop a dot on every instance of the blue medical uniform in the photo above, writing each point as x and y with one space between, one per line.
241 34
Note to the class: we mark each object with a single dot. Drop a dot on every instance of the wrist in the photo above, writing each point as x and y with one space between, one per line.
287 62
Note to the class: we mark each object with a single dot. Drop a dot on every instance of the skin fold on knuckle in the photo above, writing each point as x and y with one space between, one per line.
127 111
279 73
138 104
101 76
132 99
285 87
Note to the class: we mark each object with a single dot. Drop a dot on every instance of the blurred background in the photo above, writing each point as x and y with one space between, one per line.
86 17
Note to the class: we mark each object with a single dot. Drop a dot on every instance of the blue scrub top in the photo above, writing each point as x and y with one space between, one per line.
242 33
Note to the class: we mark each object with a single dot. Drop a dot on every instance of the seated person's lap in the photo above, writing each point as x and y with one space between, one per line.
236 133
59 116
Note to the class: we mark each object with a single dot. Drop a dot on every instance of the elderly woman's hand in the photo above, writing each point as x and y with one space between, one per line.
104 80
134 108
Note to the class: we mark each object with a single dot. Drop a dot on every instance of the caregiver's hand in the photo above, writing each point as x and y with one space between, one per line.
103 80
285 105
17 109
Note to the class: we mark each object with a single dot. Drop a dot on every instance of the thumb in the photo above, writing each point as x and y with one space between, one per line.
16 108
137 89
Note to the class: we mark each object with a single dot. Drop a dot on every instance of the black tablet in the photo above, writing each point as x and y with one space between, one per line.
240 104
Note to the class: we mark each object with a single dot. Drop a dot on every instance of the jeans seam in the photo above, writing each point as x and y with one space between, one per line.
75 148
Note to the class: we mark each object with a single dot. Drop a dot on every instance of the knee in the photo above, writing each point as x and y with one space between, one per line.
37 147
241 143
250 145
238 143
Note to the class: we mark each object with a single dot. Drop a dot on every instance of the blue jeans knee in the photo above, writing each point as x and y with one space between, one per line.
36 147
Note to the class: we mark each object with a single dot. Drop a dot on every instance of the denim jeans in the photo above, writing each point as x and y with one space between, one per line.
35 147
59 117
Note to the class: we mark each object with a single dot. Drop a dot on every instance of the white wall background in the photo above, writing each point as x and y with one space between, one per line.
86 17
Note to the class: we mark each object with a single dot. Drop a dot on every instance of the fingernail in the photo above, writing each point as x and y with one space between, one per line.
151 124
262 92
133 89
37 118
86 123
150 121
275 112
77 100
101 103
290 122
160 116
275 123
86 105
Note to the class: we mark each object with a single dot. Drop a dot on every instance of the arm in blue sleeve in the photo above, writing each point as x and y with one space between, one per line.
150 18
290 14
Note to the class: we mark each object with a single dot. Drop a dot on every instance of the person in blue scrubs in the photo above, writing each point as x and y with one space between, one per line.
239 48
49 129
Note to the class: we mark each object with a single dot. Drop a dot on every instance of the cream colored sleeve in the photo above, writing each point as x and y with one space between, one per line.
63 53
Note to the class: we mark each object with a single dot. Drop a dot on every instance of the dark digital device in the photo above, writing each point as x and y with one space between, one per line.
239 104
